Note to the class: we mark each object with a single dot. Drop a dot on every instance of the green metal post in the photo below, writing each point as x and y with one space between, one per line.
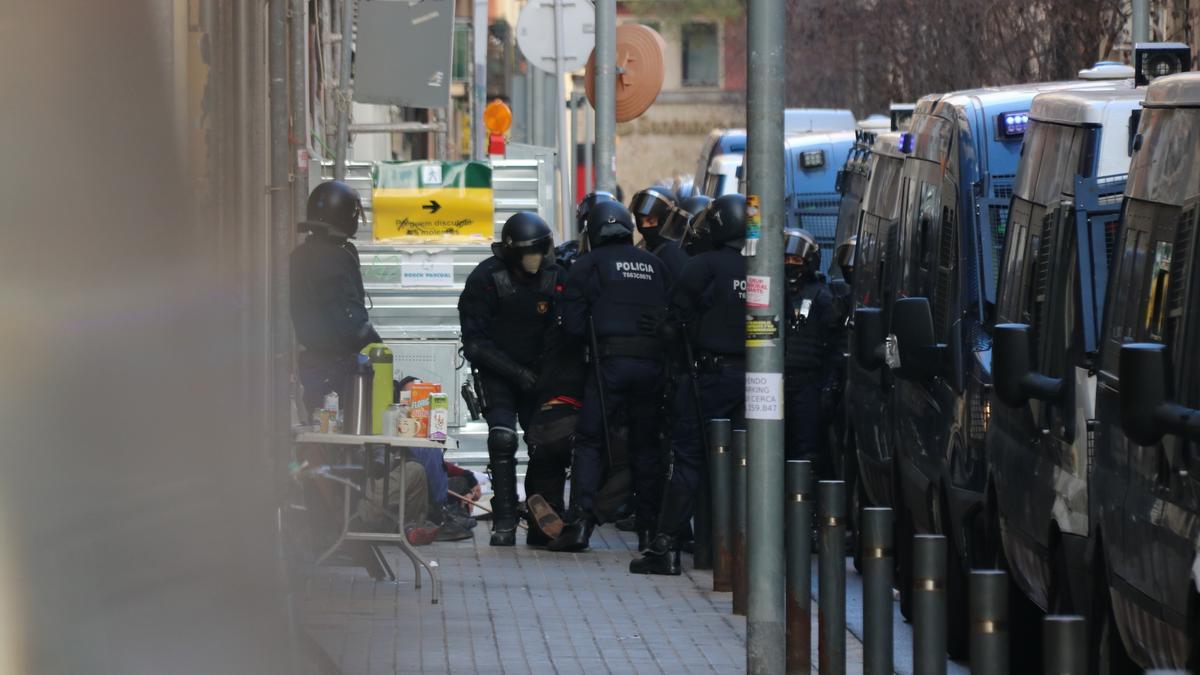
876 539
989 622
799 566
720 459
1064 645
929 604
766 21
739 522
831 581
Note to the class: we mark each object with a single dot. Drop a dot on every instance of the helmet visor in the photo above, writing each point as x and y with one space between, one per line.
675 227
649 203
799 245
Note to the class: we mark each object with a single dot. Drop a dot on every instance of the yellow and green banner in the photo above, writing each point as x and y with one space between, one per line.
429 202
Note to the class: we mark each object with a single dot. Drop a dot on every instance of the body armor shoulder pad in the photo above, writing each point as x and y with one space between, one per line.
504 283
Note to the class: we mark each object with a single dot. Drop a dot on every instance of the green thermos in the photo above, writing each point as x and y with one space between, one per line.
381 391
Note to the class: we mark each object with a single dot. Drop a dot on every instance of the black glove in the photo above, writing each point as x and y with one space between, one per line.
525 379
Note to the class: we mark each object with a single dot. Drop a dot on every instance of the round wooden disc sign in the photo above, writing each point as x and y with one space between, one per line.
639 70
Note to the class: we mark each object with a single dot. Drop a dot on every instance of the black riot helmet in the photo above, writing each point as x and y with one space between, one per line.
679 224
586 204
801 253
523 236
608 223
723 222
651 209
333 207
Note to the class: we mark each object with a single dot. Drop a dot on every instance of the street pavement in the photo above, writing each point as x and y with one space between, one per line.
524 610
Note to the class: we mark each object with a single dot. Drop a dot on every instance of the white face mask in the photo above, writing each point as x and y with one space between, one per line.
532 262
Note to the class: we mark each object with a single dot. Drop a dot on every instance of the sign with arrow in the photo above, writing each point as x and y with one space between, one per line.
431 202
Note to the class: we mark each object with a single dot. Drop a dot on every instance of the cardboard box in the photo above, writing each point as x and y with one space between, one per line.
439 416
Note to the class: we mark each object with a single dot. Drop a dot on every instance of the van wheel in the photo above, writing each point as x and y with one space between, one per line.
1110 657
1059 594
858 500
958 637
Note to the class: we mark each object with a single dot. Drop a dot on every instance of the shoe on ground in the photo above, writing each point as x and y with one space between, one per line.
453 531
504 533
575 536
421 535
662 558
627 524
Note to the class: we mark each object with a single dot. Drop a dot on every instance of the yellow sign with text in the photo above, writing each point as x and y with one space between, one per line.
420 215
432 202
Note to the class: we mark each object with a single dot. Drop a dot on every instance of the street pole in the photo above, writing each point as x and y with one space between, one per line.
567 207
764 357
343 120
606 90
1141 21
281 230
479 25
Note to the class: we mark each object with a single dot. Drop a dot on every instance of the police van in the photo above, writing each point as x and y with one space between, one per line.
1050 301
955 188
813 163
868 425
1145 511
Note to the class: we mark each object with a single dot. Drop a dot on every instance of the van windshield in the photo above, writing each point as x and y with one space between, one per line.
1050 162
931 137
883 191
1166 168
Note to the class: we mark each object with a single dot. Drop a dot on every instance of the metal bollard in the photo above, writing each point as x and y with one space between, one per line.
738 575
989 622
831 588
929 604
1064 645
875 535
799 566
720 485
702 551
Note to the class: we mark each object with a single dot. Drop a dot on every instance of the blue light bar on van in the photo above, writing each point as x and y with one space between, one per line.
906 142
1012 124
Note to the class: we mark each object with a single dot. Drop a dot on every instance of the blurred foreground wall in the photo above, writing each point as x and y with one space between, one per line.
136 486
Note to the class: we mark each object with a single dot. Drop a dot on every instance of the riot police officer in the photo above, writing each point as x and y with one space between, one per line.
328 302
812 351
709 302
659 222
508 304
608 290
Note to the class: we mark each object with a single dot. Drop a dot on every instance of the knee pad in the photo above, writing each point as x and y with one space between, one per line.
502 443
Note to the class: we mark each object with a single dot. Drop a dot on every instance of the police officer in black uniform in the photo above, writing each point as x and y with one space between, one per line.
709 302
660 223
813 353
328 303
609 288
507 305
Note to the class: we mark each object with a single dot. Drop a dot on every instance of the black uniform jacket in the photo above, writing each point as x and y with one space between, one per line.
327 299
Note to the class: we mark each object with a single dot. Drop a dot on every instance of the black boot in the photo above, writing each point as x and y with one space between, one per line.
504 502
645 538
662 558
576 534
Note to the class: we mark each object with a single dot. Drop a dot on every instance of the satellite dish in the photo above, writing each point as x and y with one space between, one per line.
639 70
535 33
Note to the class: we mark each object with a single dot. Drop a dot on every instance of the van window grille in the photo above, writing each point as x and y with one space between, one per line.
1181 255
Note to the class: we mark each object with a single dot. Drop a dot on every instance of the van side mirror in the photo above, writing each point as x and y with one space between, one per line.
1013 376
1147 414
920 356
868 337
1010 362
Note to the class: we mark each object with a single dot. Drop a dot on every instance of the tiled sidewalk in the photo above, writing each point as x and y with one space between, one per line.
524 610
